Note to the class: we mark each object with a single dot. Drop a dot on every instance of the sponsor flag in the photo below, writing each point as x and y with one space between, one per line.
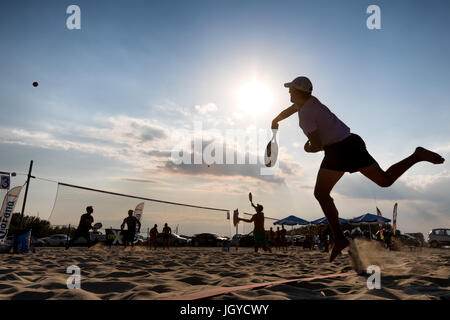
138 214
7 210
113 236
394 218
380 225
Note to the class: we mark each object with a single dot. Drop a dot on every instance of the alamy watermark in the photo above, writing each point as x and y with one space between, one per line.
232 147
74 20
374 280
373 22
74 280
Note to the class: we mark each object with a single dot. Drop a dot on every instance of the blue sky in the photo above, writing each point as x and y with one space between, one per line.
112 93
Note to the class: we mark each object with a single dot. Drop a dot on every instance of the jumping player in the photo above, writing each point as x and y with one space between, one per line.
344 152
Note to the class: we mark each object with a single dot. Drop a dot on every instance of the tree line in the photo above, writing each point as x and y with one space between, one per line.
40 227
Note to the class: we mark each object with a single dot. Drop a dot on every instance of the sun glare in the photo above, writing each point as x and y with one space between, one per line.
254 98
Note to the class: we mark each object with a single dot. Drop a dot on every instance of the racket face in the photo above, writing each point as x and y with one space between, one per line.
98 225
270 157
250 197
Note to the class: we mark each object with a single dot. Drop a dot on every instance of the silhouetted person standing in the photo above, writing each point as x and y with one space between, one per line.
154 236
258 232
166 235
132 222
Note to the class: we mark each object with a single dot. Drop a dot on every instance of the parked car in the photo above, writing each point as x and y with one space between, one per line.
55 240
439 237
419 236
247 240
7 245
36 242
409 240
175 240
235 239
96 236
208 240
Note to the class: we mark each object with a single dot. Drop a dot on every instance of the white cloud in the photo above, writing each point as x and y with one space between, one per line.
209 107
422 182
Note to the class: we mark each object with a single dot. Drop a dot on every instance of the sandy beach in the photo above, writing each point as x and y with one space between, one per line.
112 273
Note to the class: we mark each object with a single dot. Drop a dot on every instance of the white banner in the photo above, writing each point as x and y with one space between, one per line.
138 212
7 210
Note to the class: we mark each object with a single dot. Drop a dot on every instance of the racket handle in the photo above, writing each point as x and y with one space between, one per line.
274 134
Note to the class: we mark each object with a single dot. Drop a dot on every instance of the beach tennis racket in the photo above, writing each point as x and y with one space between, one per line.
235 217
250 197
97 226
271 155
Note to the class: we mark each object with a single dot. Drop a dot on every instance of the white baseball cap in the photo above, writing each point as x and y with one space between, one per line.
300 83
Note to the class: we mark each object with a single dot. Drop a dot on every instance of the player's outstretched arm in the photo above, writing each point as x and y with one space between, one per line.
286 113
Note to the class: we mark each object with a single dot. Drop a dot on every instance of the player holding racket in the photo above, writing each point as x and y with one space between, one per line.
344 152
258 232
84 226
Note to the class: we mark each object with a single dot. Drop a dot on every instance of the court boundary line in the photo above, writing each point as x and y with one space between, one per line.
223 290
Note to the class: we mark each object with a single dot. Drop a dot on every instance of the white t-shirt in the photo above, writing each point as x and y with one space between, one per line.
313 115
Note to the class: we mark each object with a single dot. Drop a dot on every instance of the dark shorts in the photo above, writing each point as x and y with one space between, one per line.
348 155
129 235
165 236
260 238
82 233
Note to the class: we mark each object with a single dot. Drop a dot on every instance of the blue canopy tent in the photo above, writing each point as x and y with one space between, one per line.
324 220
369 219
291 221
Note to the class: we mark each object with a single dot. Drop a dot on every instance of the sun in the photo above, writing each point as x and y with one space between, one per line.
254 98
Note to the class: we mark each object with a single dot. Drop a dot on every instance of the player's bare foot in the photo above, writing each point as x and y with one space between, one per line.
427 155
338 247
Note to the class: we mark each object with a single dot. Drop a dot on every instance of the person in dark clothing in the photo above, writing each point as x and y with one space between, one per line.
154 236
84 226
167 231
388 239
131 222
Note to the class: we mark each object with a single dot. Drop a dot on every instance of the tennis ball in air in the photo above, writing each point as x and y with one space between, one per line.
35 84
